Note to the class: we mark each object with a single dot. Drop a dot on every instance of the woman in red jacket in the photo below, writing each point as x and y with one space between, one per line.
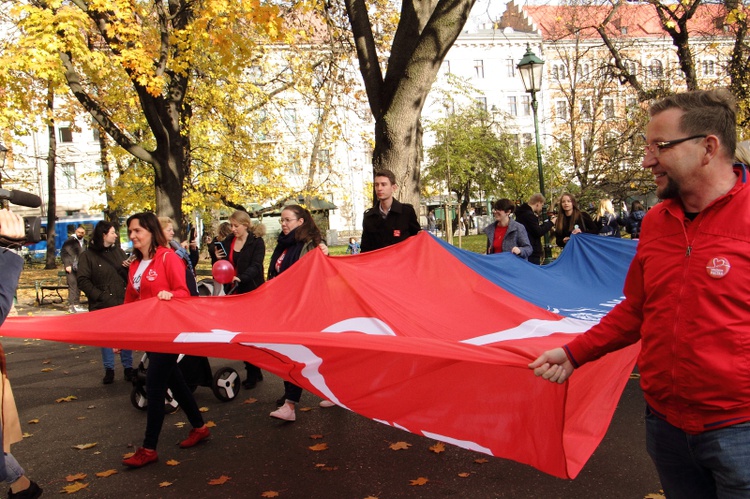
159 272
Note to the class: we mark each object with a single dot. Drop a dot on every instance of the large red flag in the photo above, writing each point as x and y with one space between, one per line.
408 336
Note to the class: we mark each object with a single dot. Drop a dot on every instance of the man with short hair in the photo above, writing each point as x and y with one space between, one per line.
389 221
686 300
70 251
528 215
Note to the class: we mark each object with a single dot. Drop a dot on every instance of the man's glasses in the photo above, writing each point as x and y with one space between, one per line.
656 147
287 220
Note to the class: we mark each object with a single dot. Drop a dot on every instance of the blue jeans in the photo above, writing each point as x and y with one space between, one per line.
712 464
108 358
13 470
164 373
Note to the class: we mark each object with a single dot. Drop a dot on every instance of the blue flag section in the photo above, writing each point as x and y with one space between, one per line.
585 282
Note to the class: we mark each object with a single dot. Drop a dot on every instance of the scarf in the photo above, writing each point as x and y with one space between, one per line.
293 251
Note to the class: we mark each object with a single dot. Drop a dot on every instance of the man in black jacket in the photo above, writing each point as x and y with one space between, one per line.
389 221
528 215
70 251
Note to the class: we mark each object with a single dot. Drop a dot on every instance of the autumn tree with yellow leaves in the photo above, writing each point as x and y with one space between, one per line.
143 70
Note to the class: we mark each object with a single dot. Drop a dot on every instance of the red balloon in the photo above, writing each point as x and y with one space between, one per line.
223 271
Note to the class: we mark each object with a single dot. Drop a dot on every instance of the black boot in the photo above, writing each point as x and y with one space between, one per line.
109 376
129 374
253 376
32 492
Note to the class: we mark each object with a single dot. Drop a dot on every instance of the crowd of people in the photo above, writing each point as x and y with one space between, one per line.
685 293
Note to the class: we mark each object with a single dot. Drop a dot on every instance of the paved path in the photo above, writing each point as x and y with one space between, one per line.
260 454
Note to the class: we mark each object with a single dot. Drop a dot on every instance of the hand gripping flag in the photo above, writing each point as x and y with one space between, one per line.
421 336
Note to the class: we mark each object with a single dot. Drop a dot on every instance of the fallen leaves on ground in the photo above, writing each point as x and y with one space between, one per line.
219 481
165 484
319 447
47 370
203 409
249 401
85 446
73 478
305 409
316 437
105 474
438 448
481 460
27 434
654 496
180 424
270 493
419 481
128 455
73 488
635 376
172 462
69 398
210 424
239 436
400 446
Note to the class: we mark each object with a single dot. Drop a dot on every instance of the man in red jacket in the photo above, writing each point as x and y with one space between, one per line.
687 298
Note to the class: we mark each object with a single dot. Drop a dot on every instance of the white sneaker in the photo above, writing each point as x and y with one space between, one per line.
285 412
326 403
80 308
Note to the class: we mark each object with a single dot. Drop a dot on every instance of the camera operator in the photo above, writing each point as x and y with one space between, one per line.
12 234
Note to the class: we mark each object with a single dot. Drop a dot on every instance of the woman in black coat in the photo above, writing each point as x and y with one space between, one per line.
103 276
246 251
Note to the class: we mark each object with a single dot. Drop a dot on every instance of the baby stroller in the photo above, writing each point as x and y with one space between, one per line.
225 383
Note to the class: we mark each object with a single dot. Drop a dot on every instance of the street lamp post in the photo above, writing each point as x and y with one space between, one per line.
530 69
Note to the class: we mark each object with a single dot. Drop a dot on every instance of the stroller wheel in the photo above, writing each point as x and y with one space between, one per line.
138 398
140 401
226 384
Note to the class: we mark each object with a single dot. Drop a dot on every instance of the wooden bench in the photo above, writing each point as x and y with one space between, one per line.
47 288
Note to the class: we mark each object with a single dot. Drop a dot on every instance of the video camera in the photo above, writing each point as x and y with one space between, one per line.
32 225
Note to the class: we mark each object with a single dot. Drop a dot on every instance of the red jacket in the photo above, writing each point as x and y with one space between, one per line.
166 272
688 300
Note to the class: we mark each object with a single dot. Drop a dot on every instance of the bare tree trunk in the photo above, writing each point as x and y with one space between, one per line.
51 189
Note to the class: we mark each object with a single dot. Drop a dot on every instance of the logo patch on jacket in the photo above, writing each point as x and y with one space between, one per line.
718 267
396 233
152 275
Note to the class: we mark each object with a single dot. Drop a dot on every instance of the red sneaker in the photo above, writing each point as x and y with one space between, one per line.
195 436
141 458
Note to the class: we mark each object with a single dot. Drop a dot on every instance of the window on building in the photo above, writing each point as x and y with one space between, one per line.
708 68
66 134
67 176
526 140
559 72
609 108
324 158
561 110
479 68
525 105
482 103
512 106
510 66
290 119
94 130
585 109
656 68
